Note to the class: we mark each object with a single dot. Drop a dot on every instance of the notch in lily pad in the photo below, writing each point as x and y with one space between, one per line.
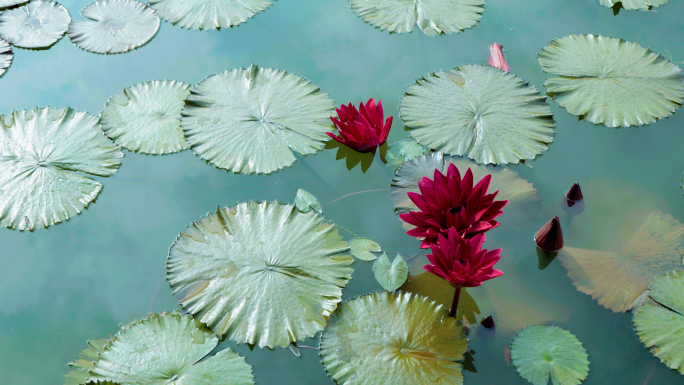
390 276
402 151
306 202
363 249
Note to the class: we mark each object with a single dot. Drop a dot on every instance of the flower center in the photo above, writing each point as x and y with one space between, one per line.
463 262
457 209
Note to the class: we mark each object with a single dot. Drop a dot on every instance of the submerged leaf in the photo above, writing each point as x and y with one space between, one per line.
39 24
404 150
540 352
260 273
393 338
146 117
114 26
482 112
306 202
390 276
634 4
363 248
44 153
611 81
251 120
208 14
5 56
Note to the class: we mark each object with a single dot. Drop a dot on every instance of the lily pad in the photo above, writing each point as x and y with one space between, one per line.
660 326
208 14
404 150
5 56
433 17
40 24
11 3
390 276
265 274
160 350
363 248
114 26
634 4
306 202
44 155
393 338
540 352
146 117
482 112
251 120
611 81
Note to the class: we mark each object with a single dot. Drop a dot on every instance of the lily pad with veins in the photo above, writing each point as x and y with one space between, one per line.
390 275
5 56
114 26
306 202
404 150
264 274
39 24
46 155
634 4
208 14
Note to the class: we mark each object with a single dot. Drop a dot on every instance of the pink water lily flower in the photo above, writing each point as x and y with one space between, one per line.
496 57
363 130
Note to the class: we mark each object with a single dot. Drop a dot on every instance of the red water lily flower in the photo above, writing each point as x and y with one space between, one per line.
496 57
362 130
463 262
451 202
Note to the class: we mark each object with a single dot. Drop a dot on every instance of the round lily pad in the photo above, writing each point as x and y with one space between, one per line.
159 350
611 81
40 24
634 4
5 56
251 120
660 326
208 14
433 17
481 112
393 338
540 352
390 275
146 117
403 150
265 274
363 248
114 26
45 155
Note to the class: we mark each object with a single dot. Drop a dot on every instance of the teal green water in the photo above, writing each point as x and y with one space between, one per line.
79 280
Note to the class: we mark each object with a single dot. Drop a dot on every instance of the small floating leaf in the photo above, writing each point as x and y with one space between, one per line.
611 81
404 150
251 120
634 4
260 273
208 14
5 56
306 202
40 24
44 153
146 117
390 276
115 26
540 352
363 248
433 17
393 338
481 112
661 328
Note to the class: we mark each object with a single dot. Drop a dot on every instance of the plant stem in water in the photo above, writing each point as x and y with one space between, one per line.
454 303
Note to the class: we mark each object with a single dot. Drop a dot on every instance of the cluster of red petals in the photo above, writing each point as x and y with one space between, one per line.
463 262
451 202
364 129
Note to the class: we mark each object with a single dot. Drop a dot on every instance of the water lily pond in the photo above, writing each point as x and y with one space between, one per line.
242 237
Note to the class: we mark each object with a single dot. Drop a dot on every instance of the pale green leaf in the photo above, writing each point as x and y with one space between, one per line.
611 81
5 56
393 338
251 120
634 4
306 202
11 3
363 248
390 276
481 112
264 274
39 24
208 14
403 150
542 352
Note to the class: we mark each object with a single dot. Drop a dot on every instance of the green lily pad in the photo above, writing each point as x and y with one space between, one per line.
251 120
146 117
540 352
363 248
393 338
208 14
433 17
403 150
264 274
611 81
306 202
44 154
5 56
162 349
40 24
634 4
390 276
478 111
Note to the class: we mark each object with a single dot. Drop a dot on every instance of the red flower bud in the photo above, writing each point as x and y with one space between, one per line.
574 194
488 322
550 236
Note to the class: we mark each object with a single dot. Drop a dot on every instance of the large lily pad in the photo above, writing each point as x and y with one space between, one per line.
146 117
478 111
265 274
208 14
393 338
5 56
433 17
114 26
40 24
160 350
44 154
611 81
634 4
660 326
542 352
251 120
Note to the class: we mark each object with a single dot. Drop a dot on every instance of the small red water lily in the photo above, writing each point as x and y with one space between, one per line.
362 130
451 202
496 57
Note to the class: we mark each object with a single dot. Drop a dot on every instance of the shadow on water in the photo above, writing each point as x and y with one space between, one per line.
353 158
545 258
